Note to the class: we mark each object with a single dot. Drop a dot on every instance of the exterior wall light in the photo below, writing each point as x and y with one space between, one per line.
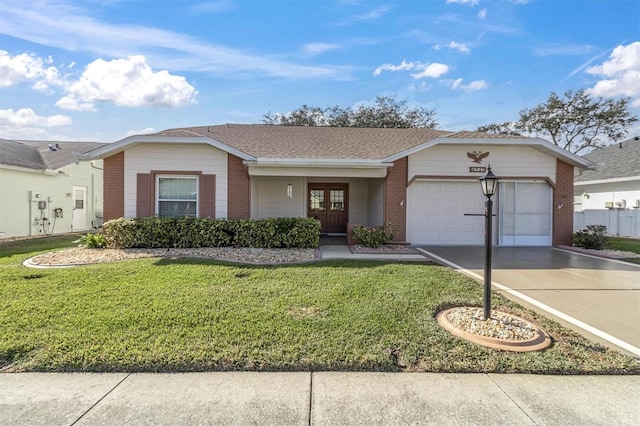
489 183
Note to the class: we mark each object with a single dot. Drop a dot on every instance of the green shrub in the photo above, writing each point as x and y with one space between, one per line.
92 241
374 236
591 237
191 232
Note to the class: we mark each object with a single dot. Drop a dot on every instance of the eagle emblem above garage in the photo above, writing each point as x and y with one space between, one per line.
477 156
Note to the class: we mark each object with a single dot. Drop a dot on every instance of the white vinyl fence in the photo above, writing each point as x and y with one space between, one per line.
619 222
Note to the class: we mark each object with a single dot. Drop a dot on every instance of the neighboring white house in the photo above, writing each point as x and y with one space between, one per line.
45 189
609 194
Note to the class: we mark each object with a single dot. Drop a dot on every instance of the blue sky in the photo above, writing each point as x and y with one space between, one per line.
101 70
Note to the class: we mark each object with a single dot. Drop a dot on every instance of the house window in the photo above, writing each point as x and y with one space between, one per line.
177 195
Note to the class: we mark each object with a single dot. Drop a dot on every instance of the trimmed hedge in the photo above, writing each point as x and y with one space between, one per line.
374 236
191 232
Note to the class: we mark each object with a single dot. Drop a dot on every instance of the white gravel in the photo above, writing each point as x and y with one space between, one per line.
499 326
83 256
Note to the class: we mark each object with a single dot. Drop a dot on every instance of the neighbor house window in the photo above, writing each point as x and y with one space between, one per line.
177 195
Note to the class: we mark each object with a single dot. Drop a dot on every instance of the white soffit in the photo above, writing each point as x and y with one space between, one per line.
257 170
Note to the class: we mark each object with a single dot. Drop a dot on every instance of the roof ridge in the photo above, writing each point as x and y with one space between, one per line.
193 133
455 134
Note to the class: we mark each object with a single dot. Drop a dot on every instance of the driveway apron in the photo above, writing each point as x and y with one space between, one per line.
601 293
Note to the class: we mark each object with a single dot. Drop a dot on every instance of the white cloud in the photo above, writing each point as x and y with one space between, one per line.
144 131
14 69
471 87
27 67
469 2
454 45
313 49
404 66
62 24
421 86
127 82
483 13
71 104
26 117
369 16
621 74
563 49
433 70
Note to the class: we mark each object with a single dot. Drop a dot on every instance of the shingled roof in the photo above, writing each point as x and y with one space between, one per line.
311 142
311 145
37 155
620 160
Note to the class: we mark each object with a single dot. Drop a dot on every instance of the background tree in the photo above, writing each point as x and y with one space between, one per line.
508 128
386 111
576 122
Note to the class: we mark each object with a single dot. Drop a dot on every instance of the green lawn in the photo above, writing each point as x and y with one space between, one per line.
625 244
200 315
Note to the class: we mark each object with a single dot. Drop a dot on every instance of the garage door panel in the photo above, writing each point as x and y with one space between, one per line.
414 220
442 213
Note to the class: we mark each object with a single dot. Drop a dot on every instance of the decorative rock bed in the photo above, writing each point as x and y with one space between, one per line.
84 256
500 331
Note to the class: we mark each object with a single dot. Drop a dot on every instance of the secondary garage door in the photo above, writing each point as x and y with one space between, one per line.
525 214
441 213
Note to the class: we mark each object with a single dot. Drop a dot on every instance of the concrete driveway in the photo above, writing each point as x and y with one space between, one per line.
599 298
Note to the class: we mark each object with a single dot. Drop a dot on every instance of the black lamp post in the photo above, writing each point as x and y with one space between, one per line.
489 184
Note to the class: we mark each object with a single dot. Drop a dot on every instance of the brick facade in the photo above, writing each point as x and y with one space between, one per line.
113 187
238 189
395 198
563 205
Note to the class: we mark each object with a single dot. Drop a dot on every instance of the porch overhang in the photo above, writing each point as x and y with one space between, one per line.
317 168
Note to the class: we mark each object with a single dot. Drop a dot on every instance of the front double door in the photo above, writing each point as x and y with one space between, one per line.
328 202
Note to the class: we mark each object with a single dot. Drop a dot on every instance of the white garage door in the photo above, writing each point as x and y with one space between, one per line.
438 213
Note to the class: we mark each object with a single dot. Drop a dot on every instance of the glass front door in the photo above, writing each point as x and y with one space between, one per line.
328 204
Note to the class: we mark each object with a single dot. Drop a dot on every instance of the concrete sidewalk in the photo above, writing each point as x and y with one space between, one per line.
316 398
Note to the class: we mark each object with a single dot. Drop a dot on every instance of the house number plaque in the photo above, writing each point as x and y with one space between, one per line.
477 169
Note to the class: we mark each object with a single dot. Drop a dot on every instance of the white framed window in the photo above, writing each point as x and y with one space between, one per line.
177 195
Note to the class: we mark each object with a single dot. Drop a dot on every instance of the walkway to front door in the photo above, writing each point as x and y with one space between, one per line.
332 241
328 202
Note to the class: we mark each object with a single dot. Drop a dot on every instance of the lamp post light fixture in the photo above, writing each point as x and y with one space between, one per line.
489 184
